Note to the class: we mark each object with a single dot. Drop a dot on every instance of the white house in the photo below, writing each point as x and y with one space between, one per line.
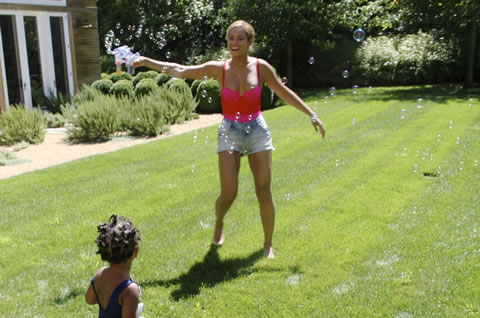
46 47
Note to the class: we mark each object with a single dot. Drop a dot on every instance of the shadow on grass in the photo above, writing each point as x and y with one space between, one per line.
64 298
208 273
436 93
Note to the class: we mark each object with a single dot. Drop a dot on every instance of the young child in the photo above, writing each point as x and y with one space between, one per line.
112 287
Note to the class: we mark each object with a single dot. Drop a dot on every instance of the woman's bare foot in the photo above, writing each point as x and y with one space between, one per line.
218 237
268 252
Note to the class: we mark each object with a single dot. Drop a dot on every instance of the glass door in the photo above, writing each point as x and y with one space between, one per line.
34 62
35 55
11 65
59 56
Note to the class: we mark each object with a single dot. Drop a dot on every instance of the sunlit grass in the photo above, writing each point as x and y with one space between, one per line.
358 232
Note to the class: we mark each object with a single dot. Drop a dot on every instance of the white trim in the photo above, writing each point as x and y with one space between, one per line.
2 67
59 3
46 53
22 52
68 54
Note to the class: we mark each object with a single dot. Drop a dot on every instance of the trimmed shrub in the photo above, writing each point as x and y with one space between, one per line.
86 93
145 87
145 117
103 85
122 88
92 120
115 77
153 114
104 76
142 75
162 79
53 120
194 87
179 85
208 95
6 156
409 59
19 124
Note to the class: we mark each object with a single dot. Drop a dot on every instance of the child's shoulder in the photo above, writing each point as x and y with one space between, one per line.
100 271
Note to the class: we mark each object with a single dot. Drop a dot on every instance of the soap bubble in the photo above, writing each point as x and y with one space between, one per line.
311 60
168 55
146 31
284 80
359 35
355 89
203 93
470 101
345 74
138 33
110 33
118 26
450 124
332 91
419 103
163 42
117 42
150 36
121 31
160 35
210 100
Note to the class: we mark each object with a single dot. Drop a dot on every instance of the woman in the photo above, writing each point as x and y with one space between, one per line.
243 130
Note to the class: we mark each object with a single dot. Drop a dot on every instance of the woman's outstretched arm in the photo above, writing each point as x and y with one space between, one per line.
208 69
289 96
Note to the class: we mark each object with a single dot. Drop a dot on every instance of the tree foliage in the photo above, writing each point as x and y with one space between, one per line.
289 29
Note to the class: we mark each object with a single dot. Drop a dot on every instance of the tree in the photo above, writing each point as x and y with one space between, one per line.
446 18
191 27
281 23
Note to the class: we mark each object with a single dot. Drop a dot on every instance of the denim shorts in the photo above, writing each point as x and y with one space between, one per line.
246 138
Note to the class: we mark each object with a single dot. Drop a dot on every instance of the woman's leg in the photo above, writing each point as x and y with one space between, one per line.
229 166
261 167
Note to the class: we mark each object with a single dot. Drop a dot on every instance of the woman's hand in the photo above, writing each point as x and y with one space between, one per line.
139 61
317 124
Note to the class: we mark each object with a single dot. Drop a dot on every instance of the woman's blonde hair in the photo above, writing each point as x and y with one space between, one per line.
245 26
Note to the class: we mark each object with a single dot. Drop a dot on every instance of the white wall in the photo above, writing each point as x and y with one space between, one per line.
62 3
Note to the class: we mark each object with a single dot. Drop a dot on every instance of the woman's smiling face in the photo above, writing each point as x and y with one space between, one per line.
238 42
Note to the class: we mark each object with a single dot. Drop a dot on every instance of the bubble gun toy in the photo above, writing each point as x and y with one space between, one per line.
123 54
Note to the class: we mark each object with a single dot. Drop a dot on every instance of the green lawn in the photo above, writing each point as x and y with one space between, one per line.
358 232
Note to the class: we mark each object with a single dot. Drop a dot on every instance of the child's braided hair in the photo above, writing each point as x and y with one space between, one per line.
117 240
